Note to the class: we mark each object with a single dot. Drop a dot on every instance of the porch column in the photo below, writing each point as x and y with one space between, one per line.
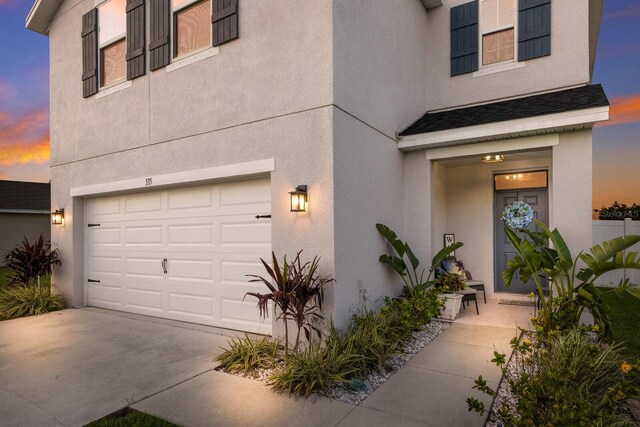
572 189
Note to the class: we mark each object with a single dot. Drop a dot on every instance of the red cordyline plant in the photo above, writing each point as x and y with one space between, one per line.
29 261
297 290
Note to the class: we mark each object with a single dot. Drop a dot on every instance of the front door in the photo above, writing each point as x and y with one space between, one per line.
537 199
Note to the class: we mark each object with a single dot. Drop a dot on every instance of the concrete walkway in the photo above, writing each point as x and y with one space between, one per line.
75 366
430 390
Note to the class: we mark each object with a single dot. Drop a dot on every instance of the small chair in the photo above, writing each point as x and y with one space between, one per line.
478 285
467 296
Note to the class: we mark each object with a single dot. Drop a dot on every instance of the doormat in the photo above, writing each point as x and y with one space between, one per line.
517 302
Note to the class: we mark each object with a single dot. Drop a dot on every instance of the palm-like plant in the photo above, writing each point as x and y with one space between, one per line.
406 264
574 289
29 261
297 289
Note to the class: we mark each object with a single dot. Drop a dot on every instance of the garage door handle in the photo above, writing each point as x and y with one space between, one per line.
164 265
262 216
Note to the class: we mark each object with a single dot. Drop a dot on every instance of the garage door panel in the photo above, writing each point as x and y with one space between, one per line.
192 234
143 202
144 299
186 304
189 199
104 237
143 235
246 234
104 208
144 267
190 269
210 238
106 294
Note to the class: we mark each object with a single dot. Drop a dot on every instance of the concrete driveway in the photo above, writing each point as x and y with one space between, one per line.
74 366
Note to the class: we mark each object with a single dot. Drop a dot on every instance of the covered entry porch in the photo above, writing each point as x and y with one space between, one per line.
463 165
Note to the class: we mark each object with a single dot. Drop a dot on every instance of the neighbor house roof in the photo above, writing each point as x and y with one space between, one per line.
18 196
579 98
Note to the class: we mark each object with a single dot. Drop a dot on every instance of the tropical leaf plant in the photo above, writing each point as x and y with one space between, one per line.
407 265
574 287
248 355
297 289
29 261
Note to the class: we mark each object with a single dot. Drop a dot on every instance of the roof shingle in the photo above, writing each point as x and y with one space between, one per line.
537 105
21 195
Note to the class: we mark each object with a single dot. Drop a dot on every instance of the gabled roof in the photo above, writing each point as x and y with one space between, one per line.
41 15
25 196
579 98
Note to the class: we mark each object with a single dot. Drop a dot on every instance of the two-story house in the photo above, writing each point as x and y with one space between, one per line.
179 128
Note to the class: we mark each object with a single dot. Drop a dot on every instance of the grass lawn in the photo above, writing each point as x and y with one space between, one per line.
625 321
131 419
5 272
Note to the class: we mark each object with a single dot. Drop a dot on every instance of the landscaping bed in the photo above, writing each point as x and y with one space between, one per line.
357 389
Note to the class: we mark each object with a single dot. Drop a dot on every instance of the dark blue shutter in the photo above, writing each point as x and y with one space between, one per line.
464 38
534 29
224 21
90 53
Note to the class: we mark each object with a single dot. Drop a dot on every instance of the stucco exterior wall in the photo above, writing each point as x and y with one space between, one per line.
14 227
568 64
281 64
572 189
380 61
368 189
279 138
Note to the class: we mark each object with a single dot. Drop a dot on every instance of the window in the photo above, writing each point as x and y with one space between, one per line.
497 29
521 180
112 30
191 26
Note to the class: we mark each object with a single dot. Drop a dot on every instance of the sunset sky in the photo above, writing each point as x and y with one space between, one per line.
24 101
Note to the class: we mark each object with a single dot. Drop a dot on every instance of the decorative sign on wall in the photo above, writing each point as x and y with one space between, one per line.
450 239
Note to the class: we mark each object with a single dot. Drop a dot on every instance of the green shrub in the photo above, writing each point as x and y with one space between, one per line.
28 300
316 367
564 380
247 355
411 314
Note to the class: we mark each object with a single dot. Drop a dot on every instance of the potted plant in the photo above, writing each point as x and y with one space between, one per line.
447 285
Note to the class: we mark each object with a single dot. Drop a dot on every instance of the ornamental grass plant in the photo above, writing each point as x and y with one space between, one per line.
28 300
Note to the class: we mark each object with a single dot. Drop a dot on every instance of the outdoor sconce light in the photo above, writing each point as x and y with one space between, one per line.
493 158
57 217
299 199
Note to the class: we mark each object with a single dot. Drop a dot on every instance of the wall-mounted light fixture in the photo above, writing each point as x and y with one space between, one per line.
299 199
493 158
57 217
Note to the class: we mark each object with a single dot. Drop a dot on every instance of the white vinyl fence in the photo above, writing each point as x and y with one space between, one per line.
607 230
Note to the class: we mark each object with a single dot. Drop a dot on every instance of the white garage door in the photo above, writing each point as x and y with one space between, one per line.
182 253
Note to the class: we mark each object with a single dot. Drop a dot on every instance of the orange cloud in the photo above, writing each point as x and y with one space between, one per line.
24 138
624 109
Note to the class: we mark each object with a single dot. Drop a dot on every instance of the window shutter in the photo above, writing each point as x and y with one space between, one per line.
464 38
534 29
90 53
135 39
224 21
159 52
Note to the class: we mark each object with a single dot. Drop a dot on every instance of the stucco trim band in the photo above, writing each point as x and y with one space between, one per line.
174 179
25 211
504 146
560 122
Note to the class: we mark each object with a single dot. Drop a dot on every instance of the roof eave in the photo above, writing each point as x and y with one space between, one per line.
537 125
41 15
